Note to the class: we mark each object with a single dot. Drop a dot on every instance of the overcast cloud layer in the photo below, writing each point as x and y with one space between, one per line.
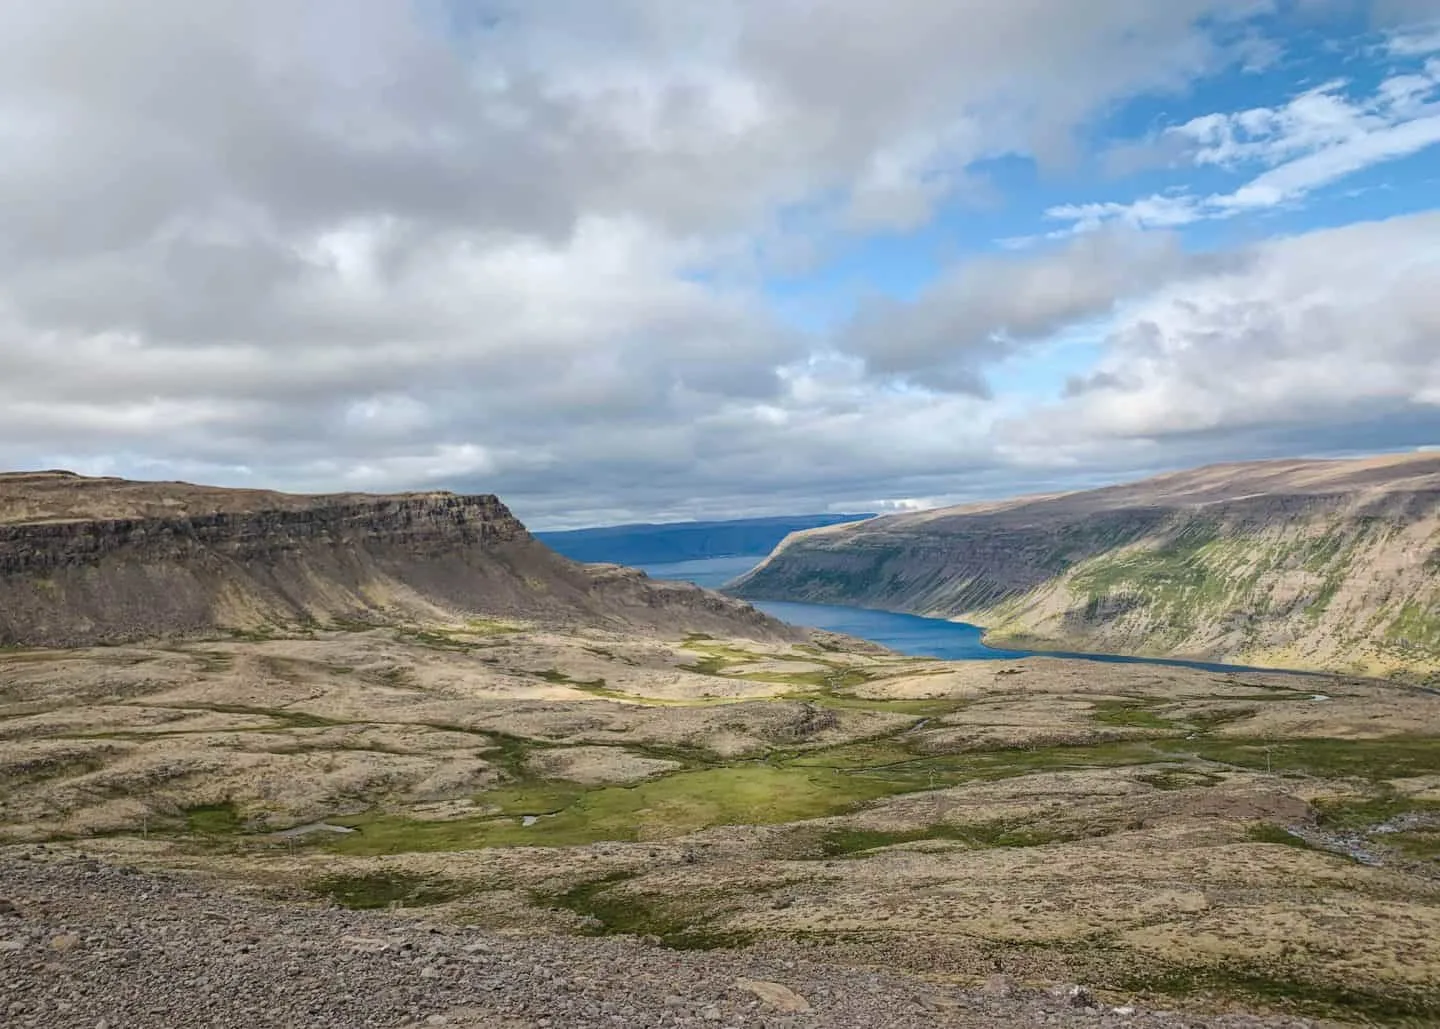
619 259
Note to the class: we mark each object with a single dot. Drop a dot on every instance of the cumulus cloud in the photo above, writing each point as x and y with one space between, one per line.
1318 138
1330 330
520 247
985 309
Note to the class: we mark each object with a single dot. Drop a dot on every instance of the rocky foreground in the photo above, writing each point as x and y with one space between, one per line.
91 946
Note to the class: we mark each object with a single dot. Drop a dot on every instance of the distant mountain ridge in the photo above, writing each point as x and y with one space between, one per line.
644 543
1298 564
90 560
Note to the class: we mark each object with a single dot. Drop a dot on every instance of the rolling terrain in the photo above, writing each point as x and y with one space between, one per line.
388 761
1163 836
1300 564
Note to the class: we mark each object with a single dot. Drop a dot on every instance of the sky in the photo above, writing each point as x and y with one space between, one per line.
622 260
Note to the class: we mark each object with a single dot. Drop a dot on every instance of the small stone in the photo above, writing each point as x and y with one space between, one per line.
64 942
429 972
938 1002
8 909
438 1020
1000 985
1126 1011
711 1013
364 944
774 995
1073 996
11 946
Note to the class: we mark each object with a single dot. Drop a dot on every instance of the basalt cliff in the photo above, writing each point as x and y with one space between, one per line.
1301 564
87 560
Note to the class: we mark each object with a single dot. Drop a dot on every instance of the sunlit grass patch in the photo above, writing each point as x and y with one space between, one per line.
672 805
787 787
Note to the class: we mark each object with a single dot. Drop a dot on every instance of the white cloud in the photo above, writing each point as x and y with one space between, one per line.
1320 330
1318 138
337 244
985 309
1414 42
1154 212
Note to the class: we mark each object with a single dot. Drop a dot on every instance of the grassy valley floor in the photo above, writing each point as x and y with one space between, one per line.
1166 834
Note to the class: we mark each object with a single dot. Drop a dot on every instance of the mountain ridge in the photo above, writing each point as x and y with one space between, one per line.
1293 563
86 560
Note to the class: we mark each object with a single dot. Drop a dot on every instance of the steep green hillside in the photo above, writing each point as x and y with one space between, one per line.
1332 564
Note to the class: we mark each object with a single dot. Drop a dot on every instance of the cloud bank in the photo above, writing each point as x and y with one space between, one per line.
536 248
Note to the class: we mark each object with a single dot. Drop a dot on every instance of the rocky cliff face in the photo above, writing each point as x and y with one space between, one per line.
88 560
1315 564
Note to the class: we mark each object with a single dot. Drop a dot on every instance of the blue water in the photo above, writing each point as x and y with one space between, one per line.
904 634
710 572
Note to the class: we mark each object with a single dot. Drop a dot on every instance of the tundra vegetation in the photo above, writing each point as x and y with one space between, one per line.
1256 839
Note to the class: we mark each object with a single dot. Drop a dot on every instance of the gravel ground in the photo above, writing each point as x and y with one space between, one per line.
92 946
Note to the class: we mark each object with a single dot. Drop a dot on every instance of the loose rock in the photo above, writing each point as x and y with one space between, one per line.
774 995
144 950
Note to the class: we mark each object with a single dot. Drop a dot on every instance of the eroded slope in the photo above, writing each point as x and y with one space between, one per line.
85 560
1316 564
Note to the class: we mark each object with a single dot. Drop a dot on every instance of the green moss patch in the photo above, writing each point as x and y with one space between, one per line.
1289 990
799 784
1419 845
847 842
1372 810
1180 779
1376 760
384 889
1131 714
1268 832
214 819
291 718
681 923
890 761
673 805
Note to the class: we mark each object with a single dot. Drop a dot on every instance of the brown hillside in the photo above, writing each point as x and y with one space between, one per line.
85 560
1320 564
